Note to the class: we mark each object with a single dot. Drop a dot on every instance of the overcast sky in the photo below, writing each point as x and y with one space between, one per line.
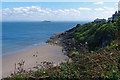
57 11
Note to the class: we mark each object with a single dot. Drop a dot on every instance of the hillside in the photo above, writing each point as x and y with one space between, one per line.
94 49
94 35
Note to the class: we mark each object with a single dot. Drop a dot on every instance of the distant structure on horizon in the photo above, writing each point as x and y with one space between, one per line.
100 20
119 6
116 15
46 21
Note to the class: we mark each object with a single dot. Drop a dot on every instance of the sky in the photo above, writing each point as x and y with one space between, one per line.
57 11
59 0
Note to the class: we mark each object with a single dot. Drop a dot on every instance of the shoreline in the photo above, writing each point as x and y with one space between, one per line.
32 58
22 50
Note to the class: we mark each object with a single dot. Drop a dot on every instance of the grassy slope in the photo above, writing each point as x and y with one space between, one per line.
96 34
91 61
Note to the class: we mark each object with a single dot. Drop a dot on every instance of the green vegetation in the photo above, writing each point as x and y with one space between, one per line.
96 34
97 60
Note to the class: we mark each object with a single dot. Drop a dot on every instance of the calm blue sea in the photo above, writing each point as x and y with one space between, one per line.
20 36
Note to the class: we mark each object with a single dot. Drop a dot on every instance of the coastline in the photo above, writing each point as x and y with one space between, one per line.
32 58
19 50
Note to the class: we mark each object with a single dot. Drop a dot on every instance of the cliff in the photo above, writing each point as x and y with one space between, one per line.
94 49
94 35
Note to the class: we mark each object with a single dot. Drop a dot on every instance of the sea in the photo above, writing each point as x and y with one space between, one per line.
21 36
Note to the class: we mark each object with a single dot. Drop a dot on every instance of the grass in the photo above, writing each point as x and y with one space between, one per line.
100 64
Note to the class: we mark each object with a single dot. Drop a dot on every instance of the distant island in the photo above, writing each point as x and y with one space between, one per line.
92 53
46 21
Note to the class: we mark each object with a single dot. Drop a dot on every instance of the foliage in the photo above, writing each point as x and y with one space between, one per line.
96 34
99 64
97 60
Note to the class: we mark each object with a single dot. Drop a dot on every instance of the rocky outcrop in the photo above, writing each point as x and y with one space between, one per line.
63 39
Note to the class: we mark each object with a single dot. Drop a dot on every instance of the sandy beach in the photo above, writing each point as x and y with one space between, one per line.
32 58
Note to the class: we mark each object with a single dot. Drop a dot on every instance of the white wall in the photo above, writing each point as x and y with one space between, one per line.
119 6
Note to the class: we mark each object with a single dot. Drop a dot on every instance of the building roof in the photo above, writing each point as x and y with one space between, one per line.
101 20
